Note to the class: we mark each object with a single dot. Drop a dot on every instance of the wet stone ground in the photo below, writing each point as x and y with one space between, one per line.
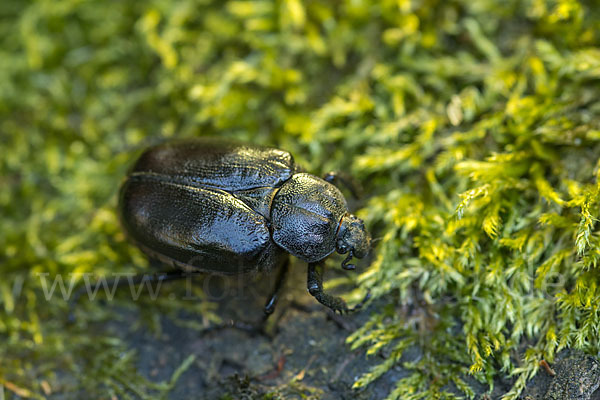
305 356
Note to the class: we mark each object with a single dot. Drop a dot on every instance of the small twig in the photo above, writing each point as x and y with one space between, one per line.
300 375
341 368
276 372
544 364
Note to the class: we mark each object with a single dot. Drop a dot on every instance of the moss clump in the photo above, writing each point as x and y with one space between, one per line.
488 238
473 123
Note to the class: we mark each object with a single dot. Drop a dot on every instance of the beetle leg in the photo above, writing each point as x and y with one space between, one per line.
346 180
270 306
315 288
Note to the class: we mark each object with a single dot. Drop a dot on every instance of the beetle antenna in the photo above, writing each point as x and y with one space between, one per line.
377 239
345 264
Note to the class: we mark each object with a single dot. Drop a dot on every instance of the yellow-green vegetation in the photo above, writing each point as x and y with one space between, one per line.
474 126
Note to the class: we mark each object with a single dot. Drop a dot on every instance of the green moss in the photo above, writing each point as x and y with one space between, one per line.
474 125
242 388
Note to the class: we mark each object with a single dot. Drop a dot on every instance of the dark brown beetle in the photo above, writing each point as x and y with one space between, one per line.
223 207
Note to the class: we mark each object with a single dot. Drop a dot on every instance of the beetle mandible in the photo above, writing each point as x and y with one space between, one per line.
224 207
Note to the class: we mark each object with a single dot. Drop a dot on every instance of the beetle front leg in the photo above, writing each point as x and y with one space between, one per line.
315 288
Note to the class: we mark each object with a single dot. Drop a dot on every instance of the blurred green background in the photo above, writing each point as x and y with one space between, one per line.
473 126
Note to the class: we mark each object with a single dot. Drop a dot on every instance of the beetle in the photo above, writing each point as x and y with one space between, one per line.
225 207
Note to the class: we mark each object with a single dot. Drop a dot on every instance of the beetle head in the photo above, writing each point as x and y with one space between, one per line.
353 239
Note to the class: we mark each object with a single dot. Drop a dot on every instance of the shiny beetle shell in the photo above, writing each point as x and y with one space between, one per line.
225 207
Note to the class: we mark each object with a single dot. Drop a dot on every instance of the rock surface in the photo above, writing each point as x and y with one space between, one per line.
577 378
